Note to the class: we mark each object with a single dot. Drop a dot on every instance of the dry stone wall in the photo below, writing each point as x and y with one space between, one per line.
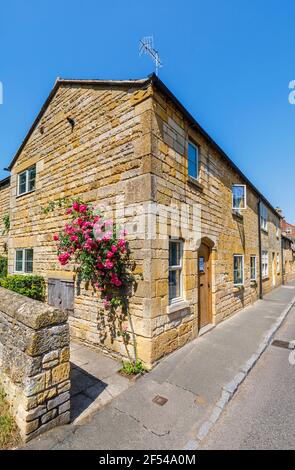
34 363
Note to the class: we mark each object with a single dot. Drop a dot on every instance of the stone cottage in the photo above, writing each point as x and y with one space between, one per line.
288 251
205 241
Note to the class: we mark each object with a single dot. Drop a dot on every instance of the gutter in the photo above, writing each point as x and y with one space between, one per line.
282 258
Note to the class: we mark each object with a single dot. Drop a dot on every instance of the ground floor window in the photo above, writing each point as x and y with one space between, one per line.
253 268
264 260
24 260
175 270
238 270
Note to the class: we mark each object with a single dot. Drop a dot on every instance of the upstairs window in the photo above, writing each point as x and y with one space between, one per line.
175 270
193 160
238 270
27 181
253 268
24 260
263 217
239 197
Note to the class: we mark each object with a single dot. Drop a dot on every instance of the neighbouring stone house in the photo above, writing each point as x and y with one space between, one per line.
215 242
288 249
287 229
4 211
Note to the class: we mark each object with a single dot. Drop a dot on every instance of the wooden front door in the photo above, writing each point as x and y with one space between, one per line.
204 278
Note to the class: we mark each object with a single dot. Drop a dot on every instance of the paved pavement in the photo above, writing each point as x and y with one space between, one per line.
197 381
94 381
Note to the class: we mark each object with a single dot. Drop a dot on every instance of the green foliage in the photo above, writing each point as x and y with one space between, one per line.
59 203
6 223
130 368
3 266
30 286
9 436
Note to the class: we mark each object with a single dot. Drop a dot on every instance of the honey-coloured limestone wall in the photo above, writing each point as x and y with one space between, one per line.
103 159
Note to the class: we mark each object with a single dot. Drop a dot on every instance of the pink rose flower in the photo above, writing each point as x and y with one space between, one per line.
74 238
76 206
55 237
109 264
64 258
110 254
83 208
114 248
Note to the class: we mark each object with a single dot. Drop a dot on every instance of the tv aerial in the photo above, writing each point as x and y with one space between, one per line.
146 46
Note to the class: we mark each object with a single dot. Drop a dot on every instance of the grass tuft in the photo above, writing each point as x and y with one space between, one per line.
9 435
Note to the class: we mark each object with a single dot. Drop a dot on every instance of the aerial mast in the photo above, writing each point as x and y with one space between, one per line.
146 46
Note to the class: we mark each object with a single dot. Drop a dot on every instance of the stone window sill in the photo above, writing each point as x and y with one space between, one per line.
196 183
264 231
239 288
265 278
237 214
25 194
253 283
175 307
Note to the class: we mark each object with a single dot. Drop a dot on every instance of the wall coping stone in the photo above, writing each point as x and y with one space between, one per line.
30 312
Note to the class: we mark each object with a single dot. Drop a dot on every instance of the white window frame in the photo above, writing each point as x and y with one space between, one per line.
23 271
255 267
264 262
278 263
245 197
176 268
243 269
197 157
263 217
25 172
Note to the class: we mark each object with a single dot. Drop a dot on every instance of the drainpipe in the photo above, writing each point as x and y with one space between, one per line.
260 252
282 258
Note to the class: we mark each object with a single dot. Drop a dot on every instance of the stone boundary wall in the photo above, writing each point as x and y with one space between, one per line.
34 363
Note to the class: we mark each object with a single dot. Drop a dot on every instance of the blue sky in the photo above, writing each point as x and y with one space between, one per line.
228 61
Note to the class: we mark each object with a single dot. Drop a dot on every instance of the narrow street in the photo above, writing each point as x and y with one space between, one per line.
262 413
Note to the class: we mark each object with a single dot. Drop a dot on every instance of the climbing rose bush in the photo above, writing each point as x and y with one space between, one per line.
99 250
